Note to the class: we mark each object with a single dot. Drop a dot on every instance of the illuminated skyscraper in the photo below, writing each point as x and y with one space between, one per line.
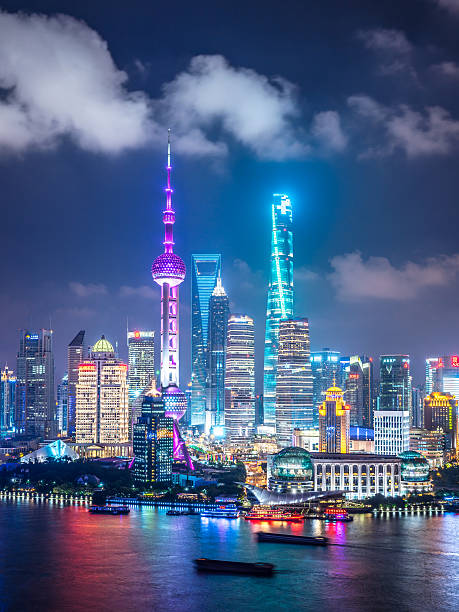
440 411
75 355
216 354
326 368
206 268
294 380
359 390
168 270
62 405
442 375
102 411
240 380
334 422
280 297
7 400
153 441
141 351
35 399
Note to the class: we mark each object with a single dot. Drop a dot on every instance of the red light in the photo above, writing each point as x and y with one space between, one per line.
353 375
406 365
455 361
440 363
87 367
136 334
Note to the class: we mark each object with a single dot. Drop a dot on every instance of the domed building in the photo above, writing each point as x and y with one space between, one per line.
414 473
290 471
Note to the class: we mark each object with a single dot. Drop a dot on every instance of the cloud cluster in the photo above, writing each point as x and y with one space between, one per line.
57 79
450 5
393 49
447 69
89 290
355 279
431 132
144 291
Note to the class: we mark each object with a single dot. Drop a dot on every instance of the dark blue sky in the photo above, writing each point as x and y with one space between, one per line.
352 108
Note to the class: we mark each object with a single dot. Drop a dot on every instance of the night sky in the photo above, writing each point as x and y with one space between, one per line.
352 108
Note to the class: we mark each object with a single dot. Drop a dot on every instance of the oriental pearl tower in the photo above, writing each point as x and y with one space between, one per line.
168 270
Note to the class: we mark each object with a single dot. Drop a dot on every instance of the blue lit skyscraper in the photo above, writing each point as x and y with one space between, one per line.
205 268
326 372
280 297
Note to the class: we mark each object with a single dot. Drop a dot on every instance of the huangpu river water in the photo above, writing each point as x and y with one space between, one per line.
61 558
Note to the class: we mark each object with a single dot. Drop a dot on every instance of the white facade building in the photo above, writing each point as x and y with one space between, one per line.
392 431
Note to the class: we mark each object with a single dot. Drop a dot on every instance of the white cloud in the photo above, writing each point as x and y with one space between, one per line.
382 40
447 69
303 274
326 129
450 5
430 132
82 290
255 110
58 79
356 279
144 291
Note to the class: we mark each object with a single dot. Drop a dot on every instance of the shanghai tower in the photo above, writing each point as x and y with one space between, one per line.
280 297
168 270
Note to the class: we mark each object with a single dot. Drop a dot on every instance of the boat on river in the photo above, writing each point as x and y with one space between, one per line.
234 567
287 538
338 515
228 511
268 513
114 510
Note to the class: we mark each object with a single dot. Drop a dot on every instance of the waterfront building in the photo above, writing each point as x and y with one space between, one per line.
432 445
240 380
205 269
415 473
309 439
290 471
76 353
294 380
280 297
326 369
392 431
440 411
393 417
141 359
219 311
57 450
334 422
7 401
35 399
359 390
169 271
153 444
102 412
62 405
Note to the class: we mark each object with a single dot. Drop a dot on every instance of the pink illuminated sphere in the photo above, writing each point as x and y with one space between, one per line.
168 268
175 402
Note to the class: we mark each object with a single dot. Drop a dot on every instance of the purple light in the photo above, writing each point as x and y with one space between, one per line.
168 268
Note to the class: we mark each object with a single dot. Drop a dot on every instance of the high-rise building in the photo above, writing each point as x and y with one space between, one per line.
280 297
102 411
169 271
392 419
442 375
417 407
35 399
205 269
432 444
216 353
334 422
440 411
240 380
7 401
326 372
294 380
62 405
141 351
75 355
359 390
153 441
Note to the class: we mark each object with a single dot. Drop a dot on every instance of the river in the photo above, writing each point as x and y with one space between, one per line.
61 558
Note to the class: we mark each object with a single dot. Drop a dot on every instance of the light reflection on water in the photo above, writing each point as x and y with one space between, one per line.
59 557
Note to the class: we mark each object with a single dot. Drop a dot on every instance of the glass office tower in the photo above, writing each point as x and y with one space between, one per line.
280 297
205 268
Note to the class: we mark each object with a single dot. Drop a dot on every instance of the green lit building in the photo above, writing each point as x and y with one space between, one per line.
280 297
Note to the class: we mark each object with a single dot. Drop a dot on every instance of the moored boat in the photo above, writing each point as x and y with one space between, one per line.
234 567
286 538
267 513
114 510
337 515
228 511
